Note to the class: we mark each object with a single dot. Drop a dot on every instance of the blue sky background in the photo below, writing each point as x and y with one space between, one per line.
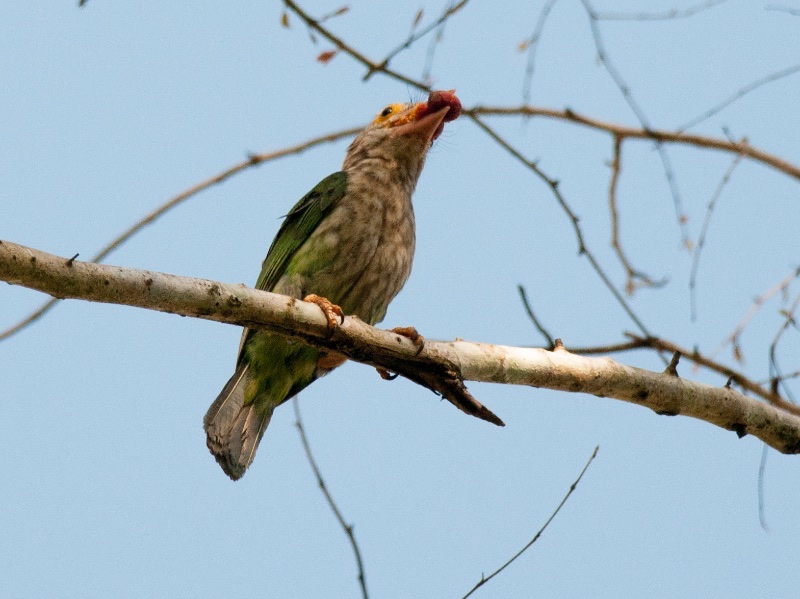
108 489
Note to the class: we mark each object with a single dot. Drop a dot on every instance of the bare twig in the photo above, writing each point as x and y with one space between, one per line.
535 538
795 12
253 160
775 372
348 528
700 141
625 90
416 35
602 350
666 15
701 240
427 67
344 47
334 13
573 218
785 377
779 287
635 278
550 342
531 44
762 469
739 94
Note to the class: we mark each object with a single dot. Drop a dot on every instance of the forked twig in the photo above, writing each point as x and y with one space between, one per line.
625 90
733 338
635 278
417 35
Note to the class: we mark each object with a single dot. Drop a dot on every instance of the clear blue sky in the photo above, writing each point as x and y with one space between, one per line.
108 489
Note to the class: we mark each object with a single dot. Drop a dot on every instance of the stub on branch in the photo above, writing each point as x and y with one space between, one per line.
448 382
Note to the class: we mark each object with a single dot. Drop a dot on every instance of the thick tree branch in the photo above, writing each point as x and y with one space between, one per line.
441 366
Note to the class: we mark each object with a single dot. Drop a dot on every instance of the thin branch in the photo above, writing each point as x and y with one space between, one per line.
573 218
253 160
524 296
667 15
785 377
701 240
427 67
334 13
625 90
779 287
775 372
535 538
635 278
439 366
414 36
348 528
602 350
531 44
700 141
739 94
762 468
795 12
344 47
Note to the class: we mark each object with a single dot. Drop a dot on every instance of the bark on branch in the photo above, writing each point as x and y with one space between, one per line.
441 366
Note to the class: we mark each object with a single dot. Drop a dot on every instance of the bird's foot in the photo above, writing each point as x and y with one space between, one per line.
412 334
409 333
331 310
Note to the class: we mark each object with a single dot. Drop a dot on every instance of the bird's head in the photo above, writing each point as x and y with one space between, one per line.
402 133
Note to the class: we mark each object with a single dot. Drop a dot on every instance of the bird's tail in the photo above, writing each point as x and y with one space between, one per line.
233 429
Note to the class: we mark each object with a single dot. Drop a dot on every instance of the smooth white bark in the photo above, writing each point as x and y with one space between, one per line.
560 370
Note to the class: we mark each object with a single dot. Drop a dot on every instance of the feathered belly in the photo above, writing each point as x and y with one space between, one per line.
359 258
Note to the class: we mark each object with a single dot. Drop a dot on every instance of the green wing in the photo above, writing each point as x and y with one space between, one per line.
300 223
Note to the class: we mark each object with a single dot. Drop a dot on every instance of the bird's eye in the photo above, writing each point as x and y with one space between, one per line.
387 111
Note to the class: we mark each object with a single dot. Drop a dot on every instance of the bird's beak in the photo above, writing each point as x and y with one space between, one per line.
420 122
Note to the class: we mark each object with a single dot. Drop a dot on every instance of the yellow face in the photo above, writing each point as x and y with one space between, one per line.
393 115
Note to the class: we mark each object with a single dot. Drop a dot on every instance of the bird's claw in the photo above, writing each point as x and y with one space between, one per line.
386 375
415 338
412 334
331 310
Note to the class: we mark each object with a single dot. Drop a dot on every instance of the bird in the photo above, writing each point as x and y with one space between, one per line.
348 246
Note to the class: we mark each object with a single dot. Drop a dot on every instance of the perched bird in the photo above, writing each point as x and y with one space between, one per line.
347 245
